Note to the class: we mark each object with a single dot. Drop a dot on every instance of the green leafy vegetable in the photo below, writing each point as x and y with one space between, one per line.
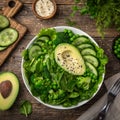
48 32
106 13
25 108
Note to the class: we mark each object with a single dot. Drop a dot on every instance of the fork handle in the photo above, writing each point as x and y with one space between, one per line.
102 114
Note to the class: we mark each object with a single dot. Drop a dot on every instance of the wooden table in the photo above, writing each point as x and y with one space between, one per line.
13 62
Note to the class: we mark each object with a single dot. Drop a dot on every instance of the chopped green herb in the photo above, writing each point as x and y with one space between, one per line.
106 13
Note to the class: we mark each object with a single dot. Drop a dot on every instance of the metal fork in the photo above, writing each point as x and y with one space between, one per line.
112 93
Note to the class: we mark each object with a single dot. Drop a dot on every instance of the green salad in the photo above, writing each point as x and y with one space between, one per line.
63 68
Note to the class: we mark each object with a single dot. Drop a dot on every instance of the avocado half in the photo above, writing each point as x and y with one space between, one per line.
9 87
69 58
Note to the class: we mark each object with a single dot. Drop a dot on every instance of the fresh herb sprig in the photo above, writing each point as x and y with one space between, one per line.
106 13
25 108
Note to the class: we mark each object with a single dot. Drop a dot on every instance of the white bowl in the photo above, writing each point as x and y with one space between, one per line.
59 29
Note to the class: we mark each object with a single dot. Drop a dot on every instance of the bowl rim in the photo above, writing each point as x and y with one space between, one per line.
47 17
60 28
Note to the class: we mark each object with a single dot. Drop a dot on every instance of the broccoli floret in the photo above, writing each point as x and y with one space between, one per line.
83 82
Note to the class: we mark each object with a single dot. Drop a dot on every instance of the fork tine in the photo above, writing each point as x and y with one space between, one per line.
116 87
113 86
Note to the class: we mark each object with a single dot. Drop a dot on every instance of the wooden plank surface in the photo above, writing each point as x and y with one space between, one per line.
9 11
13 62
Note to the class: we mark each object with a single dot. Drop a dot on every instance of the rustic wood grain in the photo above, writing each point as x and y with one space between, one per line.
57 1
12 7
9 12
13 62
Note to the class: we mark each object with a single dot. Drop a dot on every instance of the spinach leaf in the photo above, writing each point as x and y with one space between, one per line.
61 37
25 108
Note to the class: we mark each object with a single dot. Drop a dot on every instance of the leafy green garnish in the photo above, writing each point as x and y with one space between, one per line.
105 12
25 108
50 32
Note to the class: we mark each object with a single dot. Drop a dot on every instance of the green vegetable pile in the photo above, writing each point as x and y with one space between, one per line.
116 47
105 12
49 81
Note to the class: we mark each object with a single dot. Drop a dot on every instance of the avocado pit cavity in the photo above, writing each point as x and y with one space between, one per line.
5 88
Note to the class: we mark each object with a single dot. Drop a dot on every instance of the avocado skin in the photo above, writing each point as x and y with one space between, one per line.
6 103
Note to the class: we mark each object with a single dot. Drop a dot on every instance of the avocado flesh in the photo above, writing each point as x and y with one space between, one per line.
69 58
6 103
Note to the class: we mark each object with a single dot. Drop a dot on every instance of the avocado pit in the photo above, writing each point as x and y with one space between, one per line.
5 88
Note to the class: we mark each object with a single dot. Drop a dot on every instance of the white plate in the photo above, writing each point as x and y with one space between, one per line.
59 29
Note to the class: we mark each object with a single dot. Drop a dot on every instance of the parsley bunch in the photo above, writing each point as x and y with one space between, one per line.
105 12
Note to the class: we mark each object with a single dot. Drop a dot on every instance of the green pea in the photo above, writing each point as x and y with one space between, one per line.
51 91
50 42
116 41
118 55
94 76
41 56
115 51
44 50
74 36
54 86
119 39
69 31
53 46
118 45
65 30
91 74
71 39
115 47
118 49
70 34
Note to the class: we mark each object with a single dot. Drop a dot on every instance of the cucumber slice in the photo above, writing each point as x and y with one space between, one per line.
39 43
85 45
8 36
91 59
4 22
88 51
34 51
80 40
2 48
92 68
44 38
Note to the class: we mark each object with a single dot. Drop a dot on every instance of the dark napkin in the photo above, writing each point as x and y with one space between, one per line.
114 111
